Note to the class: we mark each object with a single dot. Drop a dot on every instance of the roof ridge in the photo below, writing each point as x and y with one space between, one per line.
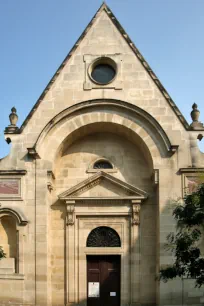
121 30
103 5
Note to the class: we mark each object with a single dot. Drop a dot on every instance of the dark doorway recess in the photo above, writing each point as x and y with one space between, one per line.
103 280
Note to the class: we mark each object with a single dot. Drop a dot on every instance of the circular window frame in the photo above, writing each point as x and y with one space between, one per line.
103 60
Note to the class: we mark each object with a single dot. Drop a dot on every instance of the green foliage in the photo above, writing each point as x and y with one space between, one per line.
185 243
2 254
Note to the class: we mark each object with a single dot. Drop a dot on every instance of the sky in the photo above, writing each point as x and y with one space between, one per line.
35 37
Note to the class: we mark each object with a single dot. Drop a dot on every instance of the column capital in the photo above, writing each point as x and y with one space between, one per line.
136 213
70 212
136 201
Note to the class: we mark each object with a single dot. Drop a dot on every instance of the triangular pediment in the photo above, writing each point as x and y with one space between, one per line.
103 186
106 15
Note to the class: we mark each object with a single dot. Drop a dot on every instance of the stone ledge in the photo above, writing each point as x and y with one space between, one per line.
7 265
114 170
191 170
12 276
13 172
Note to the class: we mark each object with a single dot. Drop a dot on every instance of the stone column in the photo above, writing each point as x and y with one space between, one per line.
135 253
70 252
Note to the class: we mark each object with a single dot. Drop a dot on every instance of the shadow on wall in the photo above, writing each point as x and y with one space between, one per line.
127 157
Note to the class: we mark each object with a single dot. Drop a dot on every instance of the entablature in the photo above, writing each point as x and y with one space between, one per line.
103 188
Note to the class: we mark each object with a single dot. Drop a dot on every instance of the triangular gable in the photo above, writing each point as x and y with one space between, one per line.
105 8
110 186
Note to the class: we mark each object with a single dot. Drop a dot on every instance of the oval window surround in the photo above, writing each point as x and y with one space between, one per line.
103 71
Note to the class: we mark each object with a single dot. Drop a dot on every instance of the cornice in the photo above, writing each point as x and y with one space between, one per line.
191 170
13 172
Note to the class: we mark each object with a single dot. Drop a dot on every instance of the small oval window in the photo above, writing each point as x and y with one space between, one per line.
103 70
103 73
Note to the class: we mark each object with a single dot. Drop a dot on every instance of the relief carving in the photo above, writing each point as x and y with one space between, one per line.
136 214
70 212
87 187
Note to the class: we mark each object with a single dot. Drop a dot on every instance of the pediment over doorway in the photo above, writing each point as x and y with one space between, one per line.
103 186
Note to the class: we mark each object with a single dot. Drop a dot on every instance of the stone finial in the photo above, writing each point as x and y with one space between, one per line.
195 114
12 128
13 117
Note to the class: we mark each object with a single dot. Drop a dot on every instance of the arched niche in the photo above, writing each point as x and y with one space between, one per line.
8 237
17 215
128 118
127 147
12 224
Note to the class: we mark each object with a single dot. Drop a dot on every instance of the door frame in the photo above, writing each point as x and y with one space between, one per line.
121 224
76 252
104 255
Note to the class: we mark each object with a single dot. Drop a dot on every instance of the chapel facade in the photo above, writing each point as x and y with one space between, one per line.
86 192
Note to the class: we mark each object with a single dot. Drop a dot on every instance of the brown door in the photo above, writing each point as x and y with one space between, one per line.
103 280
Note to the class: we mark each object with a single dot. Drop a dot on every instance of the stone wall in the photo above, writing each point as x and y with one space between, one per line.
134 127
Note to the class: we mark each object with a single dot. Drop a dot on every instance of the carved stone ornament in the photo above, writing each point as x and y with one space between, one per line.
50 180
195 114
33 153
155 177
70 212
13 117
136 213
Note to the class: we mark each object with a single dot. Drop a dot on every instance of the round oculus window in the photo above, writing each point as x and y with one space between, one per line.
103 71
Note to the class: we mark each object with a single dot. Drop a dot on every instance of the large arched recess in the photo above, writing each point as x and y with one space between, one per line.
105 115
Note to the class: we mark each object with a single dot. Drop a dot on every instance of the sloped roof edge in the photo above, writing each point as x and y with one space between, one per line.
135 50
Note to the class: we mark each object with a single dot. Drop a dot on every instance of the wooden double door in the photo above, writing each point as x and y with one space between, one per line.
103 280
